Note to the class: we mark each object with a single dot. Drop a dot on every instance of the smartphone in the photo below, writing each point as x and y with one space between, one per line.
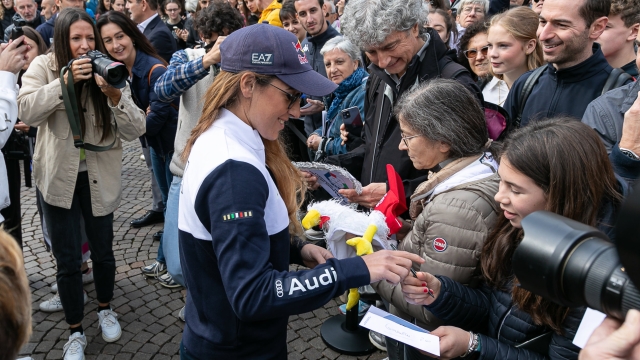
351 118
16 32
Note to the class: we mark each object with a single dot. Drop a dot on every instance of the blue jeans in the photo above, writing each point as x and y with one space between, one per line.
163 177
170 240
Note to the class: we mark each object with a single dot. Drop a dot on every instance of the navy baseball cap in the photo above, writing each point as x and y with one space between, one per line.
270 50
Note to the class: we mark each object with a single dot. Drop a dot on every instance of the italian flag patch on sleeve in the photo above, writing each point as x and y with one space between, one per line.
237 215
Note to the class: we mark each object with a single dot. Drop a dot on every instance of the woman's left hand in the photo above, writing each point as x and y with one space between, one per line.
316 107
370 196
313 255
313 142
454 342
111 92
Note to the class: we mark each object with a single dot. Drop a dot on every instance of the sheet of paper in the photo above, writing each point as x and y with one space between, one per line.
591 320
392 326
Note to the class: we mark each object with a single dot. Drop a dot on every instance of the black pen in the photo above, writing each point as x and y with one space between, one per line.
413 272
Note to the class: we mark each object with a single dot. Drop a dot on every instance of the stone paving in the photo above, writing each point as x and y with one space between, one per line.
147 311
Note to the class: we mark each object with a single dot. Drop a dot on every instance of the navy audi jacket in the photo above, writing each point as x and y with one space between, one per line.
235 251
561 92
162 121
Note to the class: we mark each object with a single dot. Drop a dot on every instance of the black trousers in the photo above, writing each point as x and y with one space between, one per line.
12 215
66 243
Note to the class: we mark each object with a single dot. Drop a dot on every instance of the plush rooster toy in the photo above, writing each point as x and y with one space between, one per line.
337 220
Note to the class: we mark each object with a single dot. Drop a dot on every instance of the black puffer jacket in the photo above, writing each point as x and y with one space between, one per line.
500 324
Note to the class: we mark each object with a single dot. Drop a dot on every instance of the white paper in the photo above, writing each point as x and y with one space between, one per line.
394 327
591 320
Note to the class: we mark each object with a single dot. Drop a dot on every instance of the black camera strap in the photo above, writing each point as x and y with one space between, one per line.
71 106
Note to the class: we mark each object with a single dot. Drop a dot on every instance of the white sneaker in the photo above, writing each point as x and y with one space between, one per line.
86 279
54 304
181 313
74 348
107 320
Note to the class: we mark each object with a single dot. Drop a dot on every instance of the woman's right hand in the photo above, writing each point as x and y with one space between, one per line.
392 266
81 70
417 290
344 134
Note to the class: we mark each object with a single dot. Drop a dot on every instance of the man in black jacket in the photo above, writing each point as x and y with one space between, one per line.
145 14
25 10
402 54
577 69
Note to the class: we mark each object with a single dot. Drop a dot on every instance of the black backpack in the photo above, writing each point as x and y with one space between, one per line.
617 78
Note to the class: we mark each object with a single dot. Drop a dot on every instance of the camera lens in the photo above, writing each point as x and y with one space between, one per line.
346 114
573 265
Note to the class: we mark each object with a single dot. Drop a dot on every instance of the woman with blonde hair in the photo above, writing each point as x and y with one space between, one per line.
514 49
238 205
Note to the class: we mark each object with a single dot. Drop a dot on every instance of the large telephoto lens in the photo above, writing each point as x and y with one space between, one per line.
573 265
114 73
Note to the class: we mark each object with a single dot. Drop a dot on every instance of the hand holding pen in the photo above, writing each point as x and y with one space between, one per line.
424 284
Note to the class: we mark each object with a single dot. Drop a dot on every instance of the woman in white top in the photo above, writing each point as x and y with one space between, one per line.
513 50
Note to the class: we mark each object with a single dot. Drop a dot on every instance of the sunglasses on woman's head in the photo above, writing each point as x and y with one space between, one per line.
473 53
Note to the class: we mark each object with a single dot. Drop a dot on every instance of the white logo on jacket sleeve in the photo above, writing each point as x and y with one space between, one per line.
297 286
279 291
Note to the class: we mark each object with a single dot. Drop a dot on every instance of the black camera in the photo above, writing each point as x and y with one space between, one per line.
575 265
17 31
115 73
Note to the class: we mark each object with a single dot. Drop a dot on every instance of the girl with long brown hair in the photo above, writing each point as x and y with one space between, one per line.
238 204
557 165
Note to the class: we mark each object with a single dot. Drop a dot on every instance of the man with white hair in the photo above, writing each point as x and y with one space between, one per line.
26 10
402 53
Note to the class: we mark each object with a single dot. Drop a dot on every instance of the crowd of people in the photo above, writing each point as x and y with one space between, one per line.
489 110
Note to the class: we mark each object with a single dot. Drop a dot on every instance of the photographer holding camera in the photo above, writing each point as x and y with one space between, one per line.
558 166
78 167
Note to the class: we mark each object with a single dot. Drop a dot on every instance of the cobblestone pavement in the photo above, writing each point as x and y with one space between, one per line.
147 311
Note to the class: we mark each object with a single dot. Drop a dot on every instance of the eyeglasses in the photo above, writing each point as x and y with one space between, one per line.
292 98
407 138
469 9
473 53
172 10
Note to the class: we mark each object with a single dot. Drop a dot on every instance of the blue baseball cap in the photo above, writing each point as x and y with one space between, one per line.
270 50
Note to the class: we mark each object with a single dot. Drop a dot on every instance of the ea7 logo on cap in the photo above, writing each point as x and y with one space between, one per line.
440 244
265 59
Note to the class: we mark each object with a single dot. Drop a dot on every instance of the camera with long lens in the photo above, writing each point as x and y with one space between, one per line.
575 265
114 73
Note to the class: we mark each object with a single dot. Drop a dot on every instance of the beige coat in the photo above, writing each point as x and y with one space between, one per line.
461 217
56 160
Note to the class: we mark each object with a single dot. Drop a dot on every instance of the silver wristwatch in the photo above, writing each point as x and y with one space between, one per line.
630 154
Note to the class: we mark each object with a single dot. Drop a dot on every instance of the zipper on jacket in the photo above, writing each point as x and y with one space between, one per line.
373 159
502 322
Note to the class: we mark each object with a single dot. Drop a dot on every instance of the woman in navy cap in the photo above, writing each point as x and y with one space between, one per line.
240 194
